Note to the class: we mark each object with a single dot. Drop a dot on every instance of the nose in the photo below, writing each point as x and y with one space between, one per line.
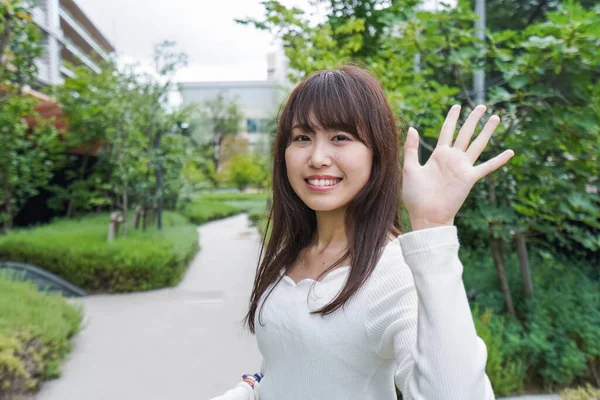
320 155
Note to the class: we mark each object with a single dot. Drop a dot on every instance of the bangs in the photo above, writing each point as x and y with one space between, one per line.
329 100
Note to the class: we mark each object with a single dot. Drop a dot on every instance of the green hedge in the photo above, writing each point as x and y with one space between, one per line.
225 196
202 211
35 329
78 251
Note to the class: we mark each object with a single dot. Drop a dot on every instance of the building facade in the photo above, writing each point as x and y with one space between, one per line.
259 101
70 38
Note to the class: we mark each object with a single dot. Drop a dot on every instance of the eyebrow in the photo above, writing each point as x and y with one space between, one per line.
303 127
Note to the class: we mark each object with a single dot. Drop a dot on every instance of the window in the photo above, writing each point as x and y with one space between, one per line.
252 125
258 125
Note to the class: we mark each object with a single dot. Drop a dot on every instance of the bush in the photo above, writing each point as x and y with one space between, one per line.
225 196
78 251
254 204
558 336
201 211
562 338
505 372
244 170
35 329
259 220
587 393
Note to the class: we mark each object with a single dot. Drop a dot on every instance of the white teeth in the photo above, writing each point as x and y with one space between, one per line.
323 182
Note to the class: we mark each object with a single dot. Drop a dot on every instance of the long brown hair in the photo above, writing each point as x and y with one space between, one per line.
352 100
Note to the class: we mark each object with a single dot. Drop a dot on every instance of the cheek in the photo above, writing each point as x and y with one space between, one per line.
291 162
357 163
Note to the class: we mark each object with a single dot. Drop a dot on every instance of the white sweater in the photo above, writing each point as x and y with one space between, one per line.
409 325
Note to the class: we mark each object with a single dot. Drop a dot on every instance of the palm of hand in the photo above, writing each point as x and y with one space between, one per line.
433 193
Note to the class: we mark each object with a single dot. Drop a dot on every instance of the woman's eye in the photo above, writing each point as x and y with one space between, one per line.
341 138
300 138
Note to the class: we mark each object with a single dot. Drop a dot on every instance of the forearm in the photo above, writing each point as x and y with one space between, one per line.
450 358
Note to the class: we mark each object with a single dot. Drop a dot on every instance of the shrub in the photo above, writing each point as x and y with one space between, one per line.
202 211
35 329
225 196
505 372
246 170
587 393
558 338
78 251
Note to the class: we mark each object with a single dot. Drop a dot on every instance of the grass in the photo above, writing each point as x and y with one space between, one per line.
35 329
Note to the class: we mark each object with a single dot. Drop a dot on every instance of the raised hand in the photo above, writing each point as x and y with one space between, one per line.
433 193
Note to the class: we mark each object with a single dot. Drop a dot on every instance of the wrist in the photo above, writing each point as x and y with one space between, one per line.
420 224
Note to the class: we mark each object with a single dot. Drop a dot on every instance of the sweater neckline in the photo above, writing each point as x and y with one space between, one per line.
329 276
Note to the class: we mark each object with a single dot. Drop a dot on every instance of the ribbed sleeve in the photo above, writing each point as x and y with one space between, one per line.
419 314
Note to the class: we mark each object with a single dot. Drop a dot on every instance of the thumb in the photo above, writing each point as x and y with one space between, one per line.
411 147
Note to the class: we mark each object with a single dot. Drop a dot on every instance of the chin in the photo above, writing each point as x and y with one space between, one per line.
325 206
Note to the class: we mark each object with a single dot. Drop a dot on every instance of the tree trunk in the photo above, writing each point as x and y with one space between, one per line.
524 264
125 214
137 217
497 249
218 140
4 39
8 221
71 206
145 219
6 202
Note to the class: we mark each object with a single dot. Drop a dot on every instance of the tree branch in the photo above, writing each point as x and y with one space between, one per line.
537 10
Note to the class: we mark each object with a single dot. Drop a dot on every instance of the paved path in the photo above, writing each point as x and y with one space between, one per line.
177 343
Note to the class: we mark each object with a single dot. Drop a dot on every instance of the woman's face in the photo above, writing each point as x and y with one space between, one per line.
327 169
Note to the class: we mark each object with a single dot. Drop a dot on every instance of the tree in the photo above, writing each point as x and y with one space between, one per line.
218 118
127 111
29 146
245 170
543 86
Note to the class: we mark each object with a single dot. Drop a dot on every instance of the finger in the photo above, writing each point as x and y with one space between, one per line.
491 165
466 131
476 148
447 132
411 147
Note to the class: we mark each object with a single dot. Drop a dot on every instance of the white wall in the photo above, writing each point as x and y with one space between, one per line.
256 99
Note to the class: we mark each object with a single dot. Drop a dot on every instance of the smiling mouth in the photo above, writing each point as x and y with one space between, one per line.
323 182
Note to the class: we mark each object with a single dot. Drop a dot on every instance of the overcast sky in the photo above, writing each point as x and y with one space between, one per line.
218 48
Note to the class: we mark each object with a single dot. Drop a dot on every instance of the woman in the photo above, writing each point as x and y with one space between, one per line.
344 304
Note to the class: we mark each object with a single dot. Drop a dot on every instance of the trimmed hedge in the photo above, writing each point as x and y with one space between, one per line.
224 196
202 211
35 329
78 251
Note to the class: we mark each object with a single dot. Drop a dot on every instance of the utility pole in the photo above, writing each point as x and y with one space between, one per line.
479 74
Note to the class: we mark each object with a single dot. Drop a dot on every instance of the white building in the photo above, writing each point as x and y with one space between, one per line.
258 100
69 35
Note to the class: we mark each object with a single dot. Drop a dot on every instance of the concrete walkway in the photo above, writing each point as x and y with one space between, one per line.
178 343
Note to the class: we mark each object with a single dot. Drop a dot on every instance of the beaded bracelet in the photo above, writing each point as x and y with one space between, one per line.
252 379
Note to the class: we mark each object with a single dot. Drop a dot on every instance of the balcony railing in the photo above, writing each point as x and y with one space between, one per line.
66 15
77 52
